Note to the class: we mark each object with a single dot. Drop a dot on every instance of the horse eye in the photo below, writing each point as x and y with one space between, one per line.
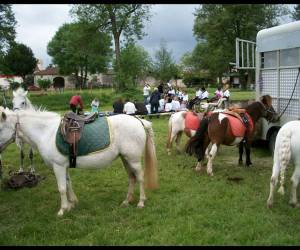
23 103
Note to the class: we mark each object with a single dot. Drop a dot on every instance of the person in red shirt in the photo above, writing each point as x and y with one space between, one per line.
76 104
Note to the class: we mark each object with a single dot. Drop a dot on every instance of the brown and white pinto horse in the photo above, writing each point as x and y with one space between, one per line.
221 128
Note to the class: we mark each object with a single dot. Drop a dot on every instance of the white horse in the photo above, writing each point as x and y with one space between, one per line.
20 101
176 126
287 146
129 137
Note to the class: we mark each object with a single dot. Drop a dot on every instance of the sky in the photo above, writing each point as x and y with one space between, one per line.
173 23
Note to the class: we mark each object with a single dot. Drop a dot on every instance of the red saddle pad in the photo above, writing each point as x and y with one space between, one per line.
192 121
238 128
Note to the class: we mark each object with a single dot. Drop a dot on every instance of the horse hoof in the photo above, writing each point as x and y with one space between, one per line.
211 174
294 205
141 205
198 169
240 163
269 205
60 213
125 203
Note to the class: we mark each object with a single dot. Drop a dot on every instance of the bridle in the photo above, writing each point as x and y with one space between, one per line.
268 110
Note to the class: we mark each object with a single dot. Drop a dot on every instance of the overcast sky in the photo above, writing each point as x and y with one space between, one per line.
37 24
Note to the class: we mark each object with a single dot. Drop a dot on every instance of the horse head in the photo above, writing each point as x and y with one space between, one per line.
20 101
7 128
268 111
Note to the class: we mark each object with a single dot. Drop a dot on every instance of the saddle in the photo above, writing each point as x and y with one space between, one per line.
71 128
238 113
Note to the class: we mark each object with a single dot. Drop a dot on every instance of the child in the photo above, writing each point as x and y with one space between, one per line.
95 105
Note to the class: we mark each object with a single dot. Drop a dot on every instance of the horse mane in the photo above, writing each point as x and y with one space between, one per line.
40 112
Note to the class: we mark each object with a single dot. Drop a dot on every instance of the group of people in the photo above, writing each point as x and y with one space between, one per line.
170 100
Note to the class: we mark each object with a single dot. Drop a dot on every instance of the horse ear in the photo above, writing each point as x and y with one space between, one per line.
14 94
3 116
25 93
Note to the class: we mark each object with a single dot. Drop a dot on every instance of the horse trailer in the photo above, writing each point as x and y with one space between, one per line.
277 69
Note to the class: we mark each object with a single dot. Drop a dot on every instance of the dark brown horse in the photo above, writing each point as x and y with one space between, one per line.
229 129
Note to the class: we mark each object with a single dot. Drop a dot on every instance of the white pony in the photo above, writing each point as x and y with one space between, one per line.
129 137
176 126
20 101
287 146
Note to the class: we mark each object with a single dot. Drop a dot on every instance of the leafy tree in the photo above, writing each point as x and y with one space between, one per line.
44 83
164 66
135 63
7 26
19 60
217 25
80 48
296 12
118 19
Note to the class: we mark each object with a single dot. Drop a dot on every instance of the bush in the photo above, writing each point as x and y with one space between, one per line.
44 83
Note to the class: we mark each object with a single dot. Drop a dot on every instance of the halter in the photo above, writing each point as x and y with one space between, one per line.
267 109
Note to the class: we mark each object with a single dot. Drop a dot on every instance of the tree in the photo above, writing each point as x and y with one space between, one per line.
117 19
164 66
19 60
217 25
80 48
296 12
135 64
7 26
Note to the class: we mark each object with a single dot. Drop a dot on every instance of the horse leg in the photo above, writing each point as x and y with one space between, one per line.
295 181
248 160
199 165
32 170
177 140
211 156
61 178
72 198
241 151
170 141
273 182
131 180
21 169
136 168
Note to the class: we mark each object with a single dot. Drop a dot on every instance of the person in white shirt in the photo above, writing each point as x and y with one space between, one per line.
205 94
146 92
168 106
185 96
175 104
198 93
129 108
162 102
226 95
171 92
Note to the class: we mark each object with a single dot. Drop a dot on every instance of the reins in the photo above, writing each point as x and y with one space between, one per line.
291 95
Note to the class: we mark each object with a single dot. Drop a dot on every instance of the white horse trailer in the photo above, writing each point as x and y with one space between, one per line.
277 67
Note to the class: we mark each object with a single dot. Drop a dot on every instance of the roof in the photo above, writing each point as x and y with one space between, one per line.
284 36
48 71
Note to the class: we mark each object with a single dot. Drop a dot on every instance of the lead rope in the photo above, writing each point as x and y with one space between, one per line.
291 95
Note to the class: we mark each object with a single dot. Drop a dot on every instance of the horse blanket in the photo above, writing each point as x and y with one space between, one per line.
95 137
238 128
192 121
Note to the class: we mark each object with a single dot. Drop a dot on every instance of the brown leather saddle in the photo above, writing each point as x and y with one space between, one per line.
238 113
71 128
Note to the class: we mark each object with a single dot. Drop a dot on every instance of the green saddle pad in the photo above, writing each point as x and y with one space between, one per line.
95 136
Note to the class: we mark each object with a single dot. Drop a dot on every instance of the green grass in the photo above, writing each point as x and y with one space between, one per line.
189 208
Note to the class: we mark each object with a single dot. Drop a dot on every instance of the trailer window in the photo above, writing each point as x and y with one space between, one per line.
269 59
289 57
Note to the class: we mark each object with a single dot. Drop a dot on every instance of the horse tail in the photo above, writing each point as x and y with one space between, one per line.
284 155
151 177
195 144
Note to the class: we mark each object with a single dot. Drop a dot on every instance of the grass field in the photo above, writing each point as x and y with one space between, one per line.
189 208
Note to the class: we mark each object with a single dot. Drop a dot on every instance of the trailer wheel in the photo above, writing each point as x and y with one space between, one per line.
272 141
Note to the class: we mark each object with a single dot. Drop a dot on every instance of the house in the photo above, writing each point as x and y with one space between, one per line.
5 79
68 81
